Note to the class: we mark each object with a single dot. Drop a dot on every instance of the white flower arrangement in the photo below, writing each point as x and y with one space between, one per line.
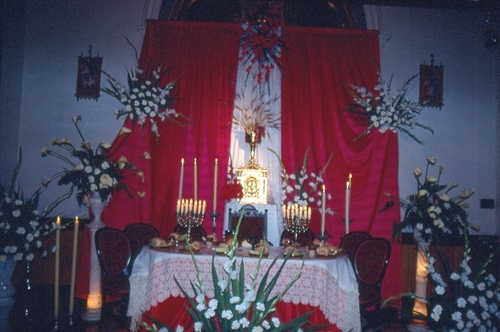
431 213
96 171
303 188
146 98
22 226
463 300
384 111
237 306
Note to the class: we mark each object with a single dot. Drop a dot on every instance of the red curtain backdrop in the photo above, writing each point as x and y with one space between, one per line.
318 64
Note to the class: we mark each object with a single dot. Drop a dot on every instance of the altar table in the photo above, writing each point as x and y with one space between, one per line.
327 285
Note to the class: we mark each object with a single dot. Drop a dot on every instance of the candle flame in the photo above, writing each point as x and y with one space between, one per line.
182 161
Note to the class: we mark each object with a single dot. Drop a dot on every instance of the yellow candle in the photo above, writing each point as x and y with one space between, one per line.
323 206
73 266
181 178
195 180
215 184
58 253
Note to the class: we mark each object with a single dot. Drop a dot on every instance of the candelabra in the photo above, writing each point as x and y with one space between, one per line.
190 214
296 220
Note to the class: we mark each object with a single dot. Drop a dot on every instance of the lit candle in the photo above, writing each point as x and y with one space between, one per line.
215 184
323 205
347 202
204 207
73 266
195 180
181 179
58 253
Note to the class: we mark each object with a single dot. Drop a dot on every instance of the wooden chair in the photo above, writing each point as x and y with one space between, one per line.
351 241
253 225
114 253
139 235
370 263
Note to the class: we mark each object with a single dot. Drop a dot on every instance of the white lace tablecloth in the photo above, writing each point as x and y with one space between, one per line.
329 284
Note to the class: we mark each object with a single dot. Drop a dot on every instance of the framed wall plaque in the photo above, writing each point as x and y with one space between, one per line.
431 85
88 81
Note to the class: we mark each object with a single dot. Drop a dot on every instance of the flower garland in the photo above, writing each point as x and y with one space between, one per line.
22 226
261 40
96 171
145 98
303 188
384 111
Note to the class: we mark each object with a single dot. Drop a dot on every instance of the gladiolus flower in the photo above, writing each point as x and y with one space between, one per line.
146 155
141 175
105 145
78 168
141 194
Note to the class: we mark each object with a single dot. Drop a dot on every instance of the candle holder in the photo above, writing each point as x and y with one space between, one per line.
214 215
296 220
190 215
323 237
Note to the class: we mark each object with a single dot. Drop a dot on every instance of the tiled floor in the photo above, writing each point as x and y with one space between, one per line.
35 313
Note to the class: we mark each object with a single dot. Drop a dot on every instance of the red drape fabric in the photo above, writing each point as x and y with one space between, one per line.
318 66
202 58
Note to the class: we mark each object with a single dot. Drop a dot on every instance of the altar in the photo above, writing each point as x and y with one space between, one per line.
327 286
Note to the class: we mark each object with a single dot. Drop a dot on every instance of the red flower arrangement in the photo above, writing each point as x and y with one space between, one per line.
232 188
261 40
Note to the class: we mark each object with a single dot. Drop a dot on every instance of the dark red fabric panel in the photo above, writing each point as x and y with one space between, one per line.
318 64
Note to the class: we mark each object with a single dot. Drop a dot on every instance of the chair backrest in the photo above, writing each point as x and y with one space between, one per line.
139 235
370 262
253 224
351 241
304 239
113 249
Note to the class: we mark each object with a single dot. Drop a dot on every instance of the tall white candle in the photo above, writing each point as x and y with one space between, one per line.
216 166
181 180
347 202
73 266
323 211
58 254
195 180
